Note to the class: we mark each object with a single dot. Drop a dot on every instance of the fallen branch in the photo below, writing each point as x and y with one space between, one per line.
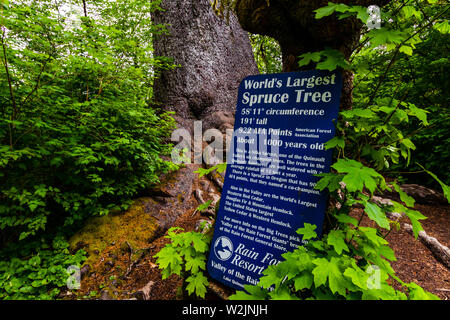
218 291
440 251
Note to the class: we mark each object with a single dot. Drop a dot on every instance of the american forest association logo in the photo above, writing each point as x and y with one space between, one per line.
223 248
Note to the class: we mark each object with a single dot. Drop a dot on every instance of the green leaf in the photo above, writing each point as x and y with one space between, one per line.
195 264
204 206
443 27
335 142
197 284
371 235
306 58
307 231
254 293
387 252
329 180
271 277
303 281
361 13
409 11
404 197
330 9
336 239
344 218
363 113
333 60
414 216
169 260
357 276
418 293
376 214
408 143
420 114
199 242
407 50
325 11
34 261
385 36
283 294
445 188
329 270
358 175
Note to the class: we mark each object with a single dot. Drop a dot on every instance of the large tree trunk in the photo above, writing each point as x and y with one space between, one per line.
214 56
293 25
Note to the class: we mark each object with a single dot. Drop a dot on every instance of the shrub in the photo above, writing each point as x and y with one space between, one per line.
78 136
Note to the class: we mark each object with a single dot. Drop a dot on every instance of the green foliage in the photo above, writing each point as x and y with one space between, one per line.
400 100
219 168
307 231
185 256
328 59
39 272
403 66
204 206
267 53
351 261
423 76
78 136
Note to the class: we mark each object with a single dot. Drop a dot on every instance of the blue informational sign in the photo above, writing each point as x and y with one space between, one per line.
282 122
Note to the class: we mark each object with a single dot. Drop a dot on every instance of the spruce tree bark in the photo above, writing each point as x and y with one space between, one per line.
213 55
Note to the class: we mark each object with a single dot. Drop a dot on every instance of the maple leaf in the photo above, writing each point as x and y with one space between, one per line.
195 264
330 9
307 231
254 293
306 58
329 180
333 60
283 294
272 276
197 283
199 242
329 270
357 175
336 239
413 215
357 276
303 281
376 214
169 260
385 36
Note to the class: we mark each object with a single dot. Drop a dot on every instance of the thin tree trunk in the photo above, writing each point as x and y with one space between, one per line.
85 8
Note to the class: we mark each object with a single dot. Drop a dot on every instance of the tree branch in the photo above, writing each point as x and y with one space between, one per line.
85 8
11 92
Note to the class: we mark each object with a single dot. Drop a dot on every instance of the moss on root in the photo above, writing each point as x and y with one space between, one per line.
135 226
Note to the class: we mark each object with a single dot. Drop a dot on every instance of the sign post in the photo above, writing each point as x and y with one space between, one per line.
282 122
